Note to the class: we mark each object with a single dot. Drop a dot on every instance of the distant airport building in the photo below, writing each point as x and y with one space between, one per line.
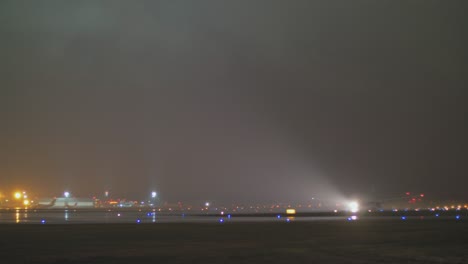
65 203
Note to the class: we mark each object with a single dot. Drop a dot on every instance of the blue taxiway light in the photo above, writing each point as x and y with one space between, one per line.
403 218
221 220
457 217
138 221
278 216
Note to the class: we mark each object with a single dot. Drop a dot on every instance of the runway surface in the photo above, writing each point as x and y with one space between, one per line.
141 216
138 217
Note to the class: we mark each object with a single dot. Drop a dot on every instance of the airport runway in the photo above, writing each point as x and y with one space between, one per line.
115 216
138 217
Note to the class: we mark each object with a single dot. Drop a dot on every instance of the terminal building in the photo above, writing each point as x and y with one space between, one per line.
65 203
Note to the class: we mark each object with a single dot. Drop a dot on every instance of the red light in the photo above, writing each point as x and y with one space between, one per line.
408 193
422 195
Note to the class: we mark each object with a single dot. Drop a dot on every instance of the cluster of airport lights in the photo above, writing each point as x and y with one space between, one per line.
66 194
22 195
353 207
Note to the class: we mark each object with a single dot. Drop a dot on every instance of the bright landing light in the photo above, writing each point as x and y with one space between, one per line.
353 207
66 194
17 195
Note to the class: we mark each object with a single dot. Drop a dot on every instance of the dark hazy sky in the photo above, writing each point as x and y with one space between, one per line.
234 100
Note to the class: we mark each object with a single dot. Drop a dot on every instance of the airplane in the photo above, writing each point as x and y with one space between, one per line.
49 205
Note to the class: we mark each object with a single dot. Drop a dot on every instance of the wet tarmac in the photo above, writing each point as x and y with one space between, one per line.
113 216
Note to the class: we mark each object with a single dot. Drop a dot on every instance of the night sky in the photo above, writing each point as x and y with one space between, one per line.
234 100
